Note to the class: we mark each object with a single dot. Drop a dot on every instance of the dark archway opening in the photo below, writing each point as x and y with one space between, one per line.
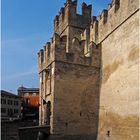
48 112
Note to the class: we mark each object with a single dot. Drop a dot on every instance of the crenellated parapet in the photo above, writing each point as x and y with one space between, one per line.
40 58
81 51
68 22
68 17
86 9
62 19
102 24
117 12
116 4
77 37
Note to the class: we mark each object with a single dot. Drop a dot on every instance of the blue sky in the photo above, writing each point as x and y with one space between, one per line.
26 26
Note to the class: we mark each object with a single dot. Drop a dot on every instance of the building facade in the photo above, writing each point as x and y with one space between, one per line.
10 105
30 102
89 73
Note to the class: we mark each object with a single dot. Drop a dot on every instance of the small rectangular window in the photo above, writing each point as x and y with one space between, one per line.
16 102
15 111
8 102
34 94
3 110
3 101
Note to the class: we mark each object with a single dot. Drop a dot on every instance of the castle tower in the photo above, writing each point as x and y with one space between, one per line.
69 23
68 71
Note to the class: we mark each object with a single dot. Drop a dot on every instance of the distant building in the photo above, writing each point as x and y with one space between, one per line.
10 105
30 102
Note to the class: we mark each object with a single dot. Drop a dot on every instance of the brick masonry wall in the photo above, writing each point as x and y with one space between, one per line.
119 96
76 104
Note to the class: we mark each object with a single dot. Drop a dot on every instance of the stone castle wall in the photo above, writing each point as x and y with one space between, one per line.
119 92
89 72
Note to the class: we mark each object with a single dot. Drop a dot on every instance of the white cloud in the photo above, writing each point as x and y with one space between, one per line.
31 71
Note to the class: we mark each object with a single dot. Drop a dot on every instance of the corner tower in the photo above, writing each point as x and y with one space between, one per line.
69 23
69 77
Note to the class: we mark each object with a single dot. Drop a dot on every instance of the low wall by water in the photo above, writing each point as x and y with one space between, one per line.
31 133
